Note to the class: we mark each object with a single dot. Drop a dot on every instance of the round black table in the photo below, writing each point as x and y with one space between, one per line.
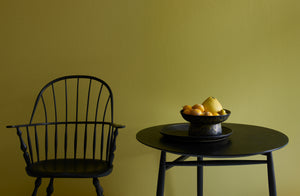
245 140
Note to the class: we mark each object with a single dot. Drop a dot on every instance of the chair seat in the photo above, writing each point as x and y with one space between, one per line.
69 168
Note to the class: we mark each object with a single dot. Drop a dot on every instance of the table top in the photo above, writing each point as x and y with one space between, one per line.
245 140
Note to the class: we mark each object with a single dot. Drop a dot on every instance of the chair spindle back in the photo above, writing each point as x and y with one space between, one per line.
72 119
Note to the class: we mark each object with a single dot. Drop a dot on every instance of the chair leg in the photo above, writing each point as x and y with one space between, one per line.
38 182
50 187
98 187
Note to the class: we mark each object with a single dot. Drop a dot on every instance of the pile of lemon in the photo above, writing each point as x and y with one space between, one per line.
210 107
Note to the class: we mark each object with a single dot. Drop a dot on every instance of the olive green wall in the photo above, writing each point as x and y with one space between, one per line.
157 55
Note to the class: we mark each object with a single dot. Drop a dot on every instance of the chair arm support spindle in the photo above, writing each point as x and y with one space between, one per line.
113 147
23 147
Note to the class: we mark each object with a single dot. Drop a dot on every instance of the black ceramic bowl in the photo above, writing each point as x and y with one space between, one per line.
205 119
205 125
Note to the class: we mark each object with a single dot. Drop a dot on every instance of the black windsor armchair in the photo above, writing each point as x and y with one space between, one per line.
71 133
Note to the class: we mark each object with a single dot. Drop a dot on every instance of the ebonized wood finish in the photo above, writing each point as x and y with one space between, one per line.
246 140
71 132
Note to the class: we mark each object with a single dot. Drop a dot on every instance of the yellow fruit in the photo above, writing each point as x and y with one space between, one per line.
208 114
216 114
196 112
212 105
187 107
222 112
198 106
187 111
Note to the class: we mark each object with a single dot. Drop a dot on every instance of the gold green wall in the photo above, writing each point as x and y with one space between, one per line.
157 55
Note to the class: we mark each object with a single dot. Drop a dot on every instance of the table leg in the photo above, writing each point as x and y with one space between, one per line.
161 174
271 175
199 177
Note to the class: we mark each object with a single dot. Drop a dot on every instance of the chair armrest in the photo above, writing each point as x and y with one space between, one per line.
118 125
16 126
27 125
60 123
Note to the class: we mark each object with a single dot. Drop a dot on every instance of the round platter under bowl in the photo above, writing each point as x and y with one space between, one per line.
205 125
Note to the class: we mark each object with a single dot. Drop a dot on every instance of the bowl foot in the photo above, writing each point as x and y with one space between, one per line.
205 129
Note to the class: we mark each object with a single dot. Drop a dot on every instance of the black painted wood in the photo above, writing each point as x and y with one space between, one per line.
23 147
271 175
161 174
71 132
178 160
199 176
99 189
38 183
50 188
246 140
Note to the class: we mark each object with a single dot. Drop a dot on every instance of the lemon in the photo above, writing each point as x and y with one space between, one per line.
212 105
223 112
